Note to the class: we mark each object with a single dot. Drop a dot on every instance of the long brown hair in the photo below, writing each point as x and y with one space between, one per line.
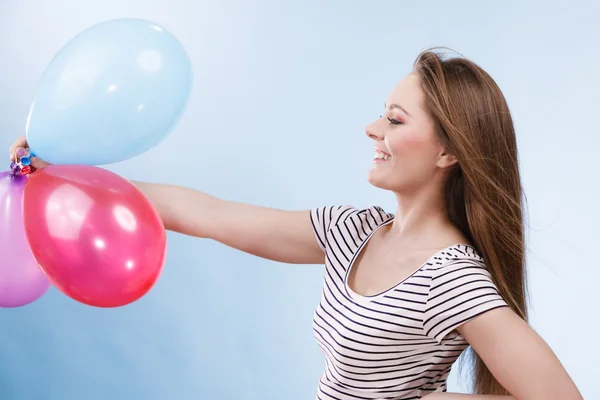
483 193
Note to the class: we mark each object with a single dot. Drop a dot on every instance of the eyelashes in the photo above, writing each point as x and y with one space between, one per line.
393 121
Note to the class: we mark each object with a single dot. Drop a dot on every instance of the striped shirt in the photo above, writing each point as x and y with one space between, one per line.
401 343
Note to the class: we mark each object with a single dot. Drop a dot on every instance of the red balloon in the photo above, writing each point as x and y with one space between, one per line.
94 234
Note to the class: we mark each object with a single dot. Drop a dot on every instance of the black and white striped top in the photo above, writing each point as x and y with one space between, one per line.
401 343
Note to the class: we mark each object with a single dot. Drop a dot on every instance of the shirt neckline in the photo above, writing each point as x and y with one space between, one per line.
370 298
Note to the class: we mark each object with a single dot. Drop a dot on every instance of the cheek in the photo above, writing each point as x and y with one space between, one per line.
408 144
414 155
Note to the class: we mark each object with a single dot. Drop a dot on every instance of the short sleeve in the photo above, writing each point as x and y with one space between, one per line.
323 218
459 291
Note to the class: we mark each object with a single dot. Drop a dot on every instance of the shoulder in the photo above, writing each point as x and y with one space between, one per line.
347 221
460 273
375 213
461 288
335 215
327 216
458 261
372 216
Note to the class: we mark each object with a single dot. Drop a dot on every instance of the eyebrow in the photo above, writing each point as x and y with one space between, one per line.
392 106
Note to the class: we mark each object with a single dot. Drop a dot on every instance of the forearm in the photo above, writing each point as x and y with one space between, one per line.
181 208
278 235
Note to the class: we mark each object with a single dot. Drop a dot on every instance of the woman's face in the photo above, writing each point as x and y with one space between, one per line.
407 151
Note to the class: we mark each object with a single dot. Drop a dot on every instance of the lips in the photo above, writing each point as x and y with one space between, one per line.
377 150
381 155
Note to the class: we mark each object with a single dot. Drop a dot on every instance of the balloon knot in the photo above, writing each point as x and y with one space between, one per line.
23 164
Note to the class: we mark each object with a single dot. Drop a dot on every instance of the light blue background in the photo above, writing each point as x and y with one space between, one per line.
282 93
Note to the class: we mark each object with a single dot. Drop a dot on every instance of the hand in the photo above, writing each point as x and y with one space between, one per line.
21 143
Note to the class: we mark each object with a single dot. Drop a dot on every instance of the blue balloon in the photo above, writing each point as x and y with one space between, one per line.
113 92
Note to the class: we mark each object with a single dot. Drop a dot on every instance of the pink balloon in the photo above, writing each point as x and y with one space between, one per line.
94 234
21 279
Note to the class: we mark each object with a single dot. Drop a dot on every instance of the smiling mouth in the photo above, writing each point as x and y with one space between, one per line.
381 156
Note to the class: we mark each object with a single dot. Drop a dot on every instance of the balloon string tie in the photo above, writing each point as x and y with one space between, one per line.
22 164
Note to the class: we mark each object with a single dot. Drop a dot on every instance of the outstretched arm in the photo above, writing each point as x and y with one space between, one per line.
518 357
284 236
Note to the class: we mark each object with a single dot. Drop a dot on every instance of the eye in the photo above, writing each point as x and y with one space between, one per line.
394 121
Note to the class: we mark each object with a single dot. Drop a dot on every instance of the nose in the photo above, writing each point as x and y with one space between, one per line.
373 132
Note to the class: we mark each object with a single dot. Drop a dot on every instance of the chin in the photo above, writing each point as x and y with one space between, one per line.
377 180
386 182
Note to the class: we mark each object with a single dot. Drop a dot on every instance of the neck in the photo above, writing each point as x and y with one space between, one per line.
421 220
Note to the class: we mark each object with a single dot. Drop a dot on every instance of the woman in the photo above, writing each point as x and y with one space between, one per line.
406 293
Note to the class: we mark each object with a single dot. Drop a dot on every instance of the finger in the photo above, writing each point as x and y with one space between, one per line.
14 153
18 153
20 142
22 152
38 163
14 146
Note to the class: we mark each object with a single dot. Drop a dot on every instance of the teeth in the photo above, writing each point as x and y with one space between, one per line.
381 156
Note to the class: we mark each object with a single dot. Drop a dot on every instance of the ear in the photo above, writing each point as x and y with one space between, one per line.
445 159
